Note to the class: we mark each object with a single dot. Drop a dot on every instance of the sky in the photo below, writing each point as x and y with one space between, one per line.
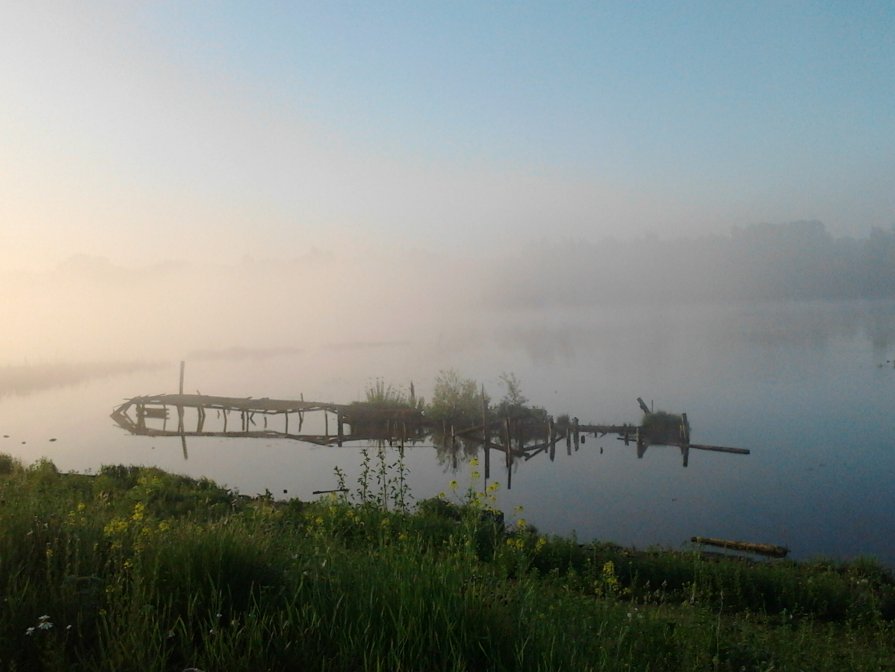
147 132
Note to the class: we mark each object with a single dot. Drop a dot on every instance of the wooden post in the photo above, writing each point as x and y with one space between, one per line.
554 437
182 367
339 428
485 445
506 437
641 445
576 438
643 406
286 416
226 414
685 429
326 425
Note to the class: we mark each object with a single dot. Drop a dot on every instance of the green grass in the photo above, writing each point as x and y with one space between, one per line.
137 569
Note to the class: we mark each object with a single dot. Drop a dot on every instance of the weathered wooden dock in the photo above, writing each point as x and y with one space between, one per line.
133 414
522 437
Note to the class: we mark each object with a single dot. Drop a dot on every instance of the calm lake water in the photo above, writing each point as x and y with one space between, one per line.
799 384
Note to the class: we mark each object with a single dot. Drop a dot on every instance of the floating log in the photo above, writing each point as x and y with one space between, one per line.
696 446
720 449
769 550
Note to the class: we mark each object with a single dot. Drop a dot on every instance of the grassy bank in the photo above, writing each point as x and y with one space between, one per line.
137 569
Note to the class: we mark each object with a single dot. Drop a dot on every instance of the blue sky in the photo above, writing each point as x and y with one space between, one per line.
148 131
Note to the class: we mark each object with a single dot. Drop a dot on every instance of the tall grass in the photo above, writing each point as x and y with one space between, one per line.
136 569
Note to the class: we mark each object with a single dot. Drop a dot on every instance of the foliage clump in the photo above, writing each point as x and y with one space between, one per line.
660 426
382 395
456 399
514 404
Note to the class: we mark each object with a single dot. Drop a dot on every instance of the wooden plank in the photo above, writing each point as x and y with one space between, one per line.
721 449
770 550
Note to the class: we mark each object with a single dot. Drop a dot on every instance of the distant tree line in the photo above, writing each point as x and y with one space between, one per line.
795 261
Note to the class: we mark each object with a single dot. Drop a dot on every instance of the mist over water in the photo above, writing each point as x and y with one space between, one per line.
803 384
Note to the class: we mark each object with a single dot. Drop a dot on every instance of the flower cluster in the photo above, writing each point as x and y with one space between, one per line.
43 623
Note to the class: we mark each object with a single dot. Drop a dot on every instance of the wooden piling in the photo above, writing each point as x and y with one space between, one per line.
340 428
507 444
485 445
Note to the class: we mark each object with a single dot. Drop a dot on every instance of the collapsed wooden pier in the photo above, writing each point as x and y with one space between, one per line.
522 437
133 414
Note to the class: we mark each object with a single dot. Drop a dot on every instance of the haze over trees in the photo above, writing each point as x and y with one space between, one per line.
794 261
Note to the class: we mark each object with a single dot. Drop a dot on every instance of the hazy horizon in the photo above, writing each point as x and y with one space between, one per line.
93 309
187 177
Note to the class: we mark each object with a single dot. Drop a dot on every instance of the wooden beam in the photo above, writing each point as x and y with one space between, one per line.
770 550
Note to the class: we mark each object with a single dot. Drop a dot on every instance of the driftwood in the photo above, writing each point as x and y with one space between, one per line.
769 550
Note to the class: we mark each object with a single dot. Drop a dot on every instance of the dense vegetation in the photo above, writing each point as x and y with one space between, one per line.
137 569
